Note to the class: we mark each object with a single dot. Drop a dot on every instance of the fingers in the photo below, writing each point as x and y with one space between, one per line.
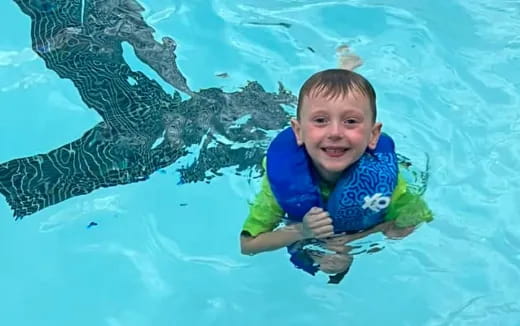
396 233
314 211
317 217
333 242
337 248
339 238
336 245
323 232
319 221
318 224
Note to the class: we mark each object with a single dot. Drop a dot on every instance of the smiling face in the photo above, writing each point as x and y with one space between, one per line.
335 131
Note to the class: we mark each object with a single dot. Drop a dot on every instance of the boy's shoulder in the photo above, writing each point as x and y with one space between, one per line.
408 206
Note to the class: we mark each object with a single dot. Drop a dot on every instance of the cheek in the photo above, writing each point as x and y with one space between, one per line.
312 135
359 137
360 141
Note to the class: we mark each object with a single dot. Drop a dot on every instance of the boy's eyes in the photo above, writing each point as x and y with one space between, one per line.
324 120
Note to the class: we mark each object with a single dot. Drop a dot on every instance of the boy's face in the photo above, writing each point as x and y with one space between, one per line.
335 132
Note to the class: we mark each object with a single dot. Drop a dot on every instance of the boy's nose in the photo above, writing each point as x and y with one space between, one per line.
335 130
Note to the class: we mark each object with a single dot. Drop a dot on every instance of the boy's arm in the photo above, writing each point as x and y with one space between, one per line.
316 224
259 234
270 240
264 216
338 243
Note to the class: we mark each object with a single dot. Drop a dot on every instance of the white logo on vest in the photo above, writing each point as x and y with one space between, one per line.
377 202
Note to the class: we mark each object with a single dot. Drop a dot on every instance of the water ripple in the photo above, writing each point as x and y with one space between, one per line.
446 74
164 245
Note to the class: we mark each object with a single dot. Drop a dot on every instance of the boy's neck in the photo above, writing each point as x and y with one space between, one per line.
329 179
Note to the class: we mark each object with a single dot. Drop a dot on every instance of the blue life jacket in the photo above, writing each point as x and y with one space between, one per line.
360 198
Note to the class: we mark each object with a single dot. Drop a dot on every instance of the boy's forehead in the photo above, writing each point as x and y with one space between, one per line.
353 98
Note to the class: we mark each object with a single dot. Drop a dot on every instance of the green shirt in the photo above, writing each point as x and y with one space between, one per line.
406 208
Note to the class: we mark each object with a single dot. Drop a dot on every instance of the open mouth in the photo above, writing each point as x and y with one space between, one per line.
334 151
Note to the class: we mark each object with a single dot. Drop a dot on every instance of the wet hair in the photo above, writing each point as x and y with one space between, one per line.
333 83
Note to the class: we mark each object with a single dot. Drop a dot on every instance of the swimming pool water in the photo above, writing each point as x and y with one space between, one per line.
164 253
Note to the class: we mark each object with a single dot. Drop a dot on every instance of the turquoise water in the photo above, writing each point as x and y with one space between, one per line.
448 85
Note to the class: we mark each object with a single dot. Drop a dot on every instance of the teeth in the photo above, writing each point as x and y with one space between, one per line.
333 150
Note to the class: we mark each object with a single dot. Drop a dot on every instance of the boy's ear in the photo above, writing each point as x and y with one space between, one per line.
374 135
297 129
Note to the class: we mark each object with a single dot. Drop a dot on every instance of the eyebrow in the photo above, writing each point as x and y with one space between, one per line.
349 111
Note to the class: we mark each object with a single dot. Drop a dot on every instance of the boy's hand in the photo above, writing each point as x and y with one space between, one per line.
338 243
317 224
392 231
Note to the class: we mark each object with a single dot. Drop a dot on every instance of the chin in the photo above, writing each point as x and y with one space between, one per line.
336 168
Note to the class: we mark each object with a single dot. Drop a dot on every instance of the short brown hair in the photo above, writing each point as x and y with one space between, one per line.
333 83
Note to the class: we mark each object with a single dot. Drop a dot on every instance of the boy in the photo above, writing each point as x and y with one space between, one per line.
336 124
